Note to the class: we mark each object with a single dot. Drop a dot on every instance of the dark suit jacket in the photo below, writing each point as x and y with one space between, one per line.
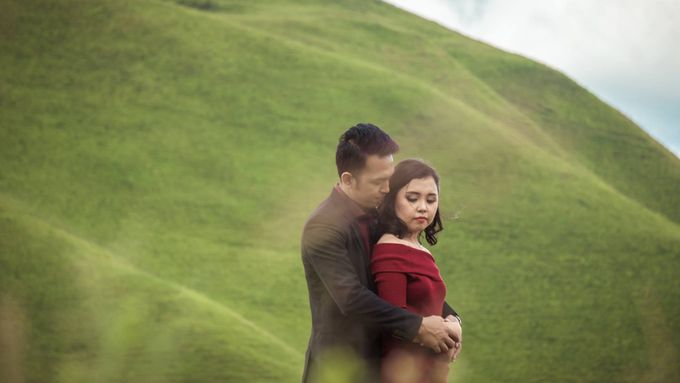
346 312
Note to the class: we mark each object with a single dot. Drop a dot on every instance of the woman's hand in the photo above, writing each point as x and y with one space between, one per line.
454 324
453 352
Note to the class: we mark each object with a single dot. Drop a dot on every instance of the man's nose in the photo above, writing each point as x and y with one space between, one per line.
385 188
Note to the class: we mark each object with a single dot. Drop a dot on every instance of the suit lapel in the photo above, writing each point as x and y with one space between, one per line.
364 258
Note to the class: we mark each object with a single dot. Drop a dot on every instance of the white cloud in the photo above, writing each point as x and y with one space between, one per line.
622 50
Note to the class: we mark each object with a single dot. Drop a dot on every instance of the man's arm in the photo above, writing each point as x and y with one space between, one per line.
324 248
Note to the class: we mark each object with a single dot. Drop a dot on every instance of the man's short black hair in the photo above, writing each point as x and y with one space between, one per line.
357 143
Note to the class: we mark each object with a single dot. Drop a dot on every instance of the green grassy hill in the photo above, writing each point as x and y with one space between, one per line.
158 160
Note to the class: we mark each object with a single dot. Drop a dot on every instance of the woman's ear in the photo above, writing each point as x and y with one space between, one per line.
346 179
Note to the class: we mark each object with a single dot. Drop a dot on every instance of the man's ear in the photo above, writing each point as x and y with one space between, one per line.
346 178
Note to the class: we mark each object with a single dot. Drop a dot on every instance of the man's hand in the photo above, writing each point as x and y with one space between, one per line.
454 324
437 334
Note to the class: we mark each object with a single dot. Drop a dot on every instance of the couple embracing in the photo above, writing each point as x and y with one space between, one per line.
375 292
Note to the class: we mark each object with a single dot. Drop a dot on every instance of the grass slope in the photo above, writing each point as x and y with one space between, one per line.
158 160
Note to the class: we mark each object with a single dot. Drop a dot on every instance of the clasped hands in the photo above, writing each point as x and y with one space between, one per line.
441 335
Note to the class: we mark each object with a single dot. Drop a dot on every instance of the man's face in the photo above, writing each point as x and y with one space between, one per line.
373 182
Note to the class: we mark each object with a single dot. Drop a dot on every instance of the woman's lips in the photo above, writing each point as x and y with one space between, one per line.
421 219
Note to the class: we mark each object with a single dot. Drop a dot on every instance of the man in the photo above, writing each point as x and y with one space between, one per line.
336 244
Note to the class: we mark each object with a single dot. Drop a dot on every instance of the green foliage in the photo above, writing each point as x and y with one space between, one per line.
158 160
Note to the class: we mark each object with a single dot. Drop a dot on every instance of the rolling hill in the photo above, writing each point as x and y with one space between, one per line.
159 158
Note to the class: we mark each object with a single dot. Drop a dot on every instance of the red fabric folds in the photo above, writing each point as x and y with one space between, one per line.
409 278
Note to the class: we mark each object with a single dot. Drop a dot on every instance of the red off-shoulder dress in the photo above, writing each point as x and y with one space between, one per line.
409 278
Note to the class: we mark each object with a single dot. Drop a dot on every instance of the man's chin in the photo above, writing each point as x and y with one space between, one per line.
373 205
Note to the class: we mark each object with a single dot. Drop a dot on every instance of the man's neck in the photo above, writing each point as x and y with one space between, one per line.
347 193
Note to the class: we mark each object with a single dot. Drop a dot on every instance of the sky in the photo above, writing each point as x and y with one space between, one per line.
627 52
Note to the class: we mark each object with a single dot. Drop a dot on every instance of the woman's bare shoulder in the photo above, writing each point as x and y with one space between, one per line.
390 238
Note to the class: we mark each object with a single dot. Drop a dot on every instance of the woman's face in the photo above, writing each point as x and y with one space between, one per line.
416 203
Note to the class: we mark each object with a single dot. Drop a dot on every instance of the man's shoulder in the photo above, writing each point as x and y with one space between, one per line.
330 212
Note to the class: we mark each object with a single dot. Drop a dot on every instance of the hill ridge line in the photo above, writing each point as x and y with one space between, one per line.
123 264
353 60
583 165
411 78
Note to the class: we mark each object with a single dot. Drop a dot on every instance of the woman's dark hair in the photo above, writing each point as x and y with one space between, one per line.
404 172
357 143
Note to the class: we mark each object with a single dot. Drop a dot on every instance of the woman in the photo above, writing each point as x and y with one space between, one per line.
405 272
